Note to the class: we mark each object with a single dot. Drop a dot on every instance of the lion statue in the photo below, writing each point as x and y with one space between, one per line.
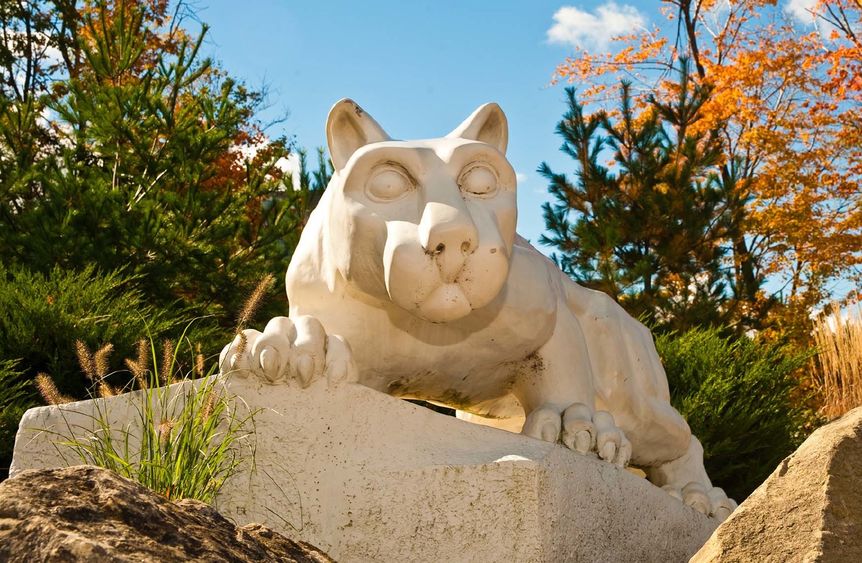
412 258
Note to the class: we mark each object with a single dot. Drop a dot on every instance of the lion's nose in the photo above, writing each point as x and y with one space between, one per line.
448 234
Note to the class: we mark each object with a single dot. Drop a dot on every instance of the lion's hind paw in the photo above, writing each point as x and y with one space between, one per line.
711 502
582 430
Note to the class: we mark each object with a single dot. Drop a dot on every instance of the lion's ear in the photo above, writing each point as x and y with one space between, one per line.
487 124
349 127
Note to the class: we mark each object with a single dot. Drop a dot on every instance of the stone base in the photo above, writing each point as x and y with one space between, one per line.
367 477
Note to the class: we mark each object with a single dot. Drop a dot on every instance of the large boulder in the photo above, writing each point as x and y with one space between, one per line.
86 513
809 509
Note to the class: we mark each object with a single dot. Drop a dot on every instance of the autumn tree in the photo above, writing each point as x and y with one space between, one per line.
648 229
140 155
127 156
785 103
138 190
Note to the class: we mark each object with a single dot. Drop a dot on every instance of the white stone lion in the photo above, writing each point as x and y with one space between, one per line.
412 257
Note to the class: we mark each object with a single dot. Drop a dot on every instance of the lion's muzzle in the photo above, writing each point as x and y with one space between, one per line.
449 236
447 265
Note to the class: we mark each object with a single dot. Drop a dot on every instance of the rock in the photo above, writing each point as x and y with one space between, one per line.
809 509
370 478
86 513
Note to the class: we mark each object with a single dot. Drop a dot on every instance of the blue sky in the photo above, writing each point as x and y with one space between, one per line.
419 68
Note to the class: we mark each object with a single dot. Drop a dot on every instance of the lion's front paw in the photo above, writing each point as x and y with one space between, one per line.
289 349
582 430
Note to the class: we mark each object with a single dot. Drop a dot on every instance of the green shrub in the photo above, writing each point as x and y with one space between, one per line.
42 317
15 398
143 155
740 397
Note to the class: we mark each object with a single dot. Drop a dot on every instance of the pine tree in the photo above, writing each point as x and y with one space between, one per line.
132 151
648 228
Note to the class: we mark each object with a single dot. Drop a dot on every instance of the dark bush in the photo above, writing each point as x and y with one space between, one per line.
740 397
15 397
42 316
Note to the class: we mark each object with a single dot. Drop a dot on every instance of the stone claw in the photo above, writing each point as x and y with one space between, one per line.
609 437
235 356
269 361
722 506
624 453
582 430
694 495
289 349
579 432
711 502
673 491
544 424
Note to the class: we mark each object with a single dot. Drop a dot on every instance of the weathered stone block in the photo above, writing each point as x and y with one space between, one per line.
367 477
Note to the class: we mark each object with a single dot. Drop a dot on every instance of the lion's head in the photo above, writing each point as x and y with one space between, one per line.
426 224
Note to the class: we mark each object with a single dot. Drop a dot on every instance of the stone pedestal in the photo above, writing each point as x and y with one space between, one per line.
367 477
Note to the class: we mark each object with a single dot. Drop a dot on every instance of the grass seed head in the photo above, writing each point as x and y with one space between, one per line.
166 373
100 360
164 430
86 360
253 302
48 389
209 406
106 390
199 361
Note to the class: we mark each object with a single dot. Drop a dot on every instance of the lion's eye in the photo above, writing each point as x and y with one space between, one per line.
478 179
387 184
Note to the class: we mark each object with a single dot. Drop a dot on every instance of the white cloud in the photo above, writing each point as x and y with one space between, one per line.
585 30
290 167
520 177
801 9
17 42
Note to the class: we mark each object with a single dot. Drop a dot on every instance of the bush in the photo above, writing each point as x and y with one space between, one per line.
740 397
151 161
42 317
180 443
15 398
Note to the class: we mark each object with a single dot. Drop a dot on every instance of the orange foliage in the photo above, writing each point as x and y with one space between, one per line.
787 102
163 33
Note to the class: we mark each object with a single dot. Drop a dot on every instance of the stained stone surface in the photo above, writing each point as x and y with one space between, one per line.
809 509
367 477
89 514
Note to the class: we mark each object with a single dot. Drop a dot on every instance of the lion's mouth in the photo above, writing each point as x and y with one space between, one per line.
418 283
446 303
